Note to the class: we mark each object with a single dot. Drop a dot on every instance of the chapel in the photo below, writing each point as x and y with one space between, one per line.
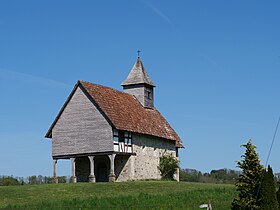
111 135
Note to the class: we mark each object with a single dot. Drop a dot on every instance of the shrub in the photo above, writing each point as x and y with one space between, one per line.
168 166
8 181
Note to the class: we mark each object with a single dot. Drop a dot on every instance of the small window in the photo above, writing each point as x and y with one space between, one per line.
116 136
116 139
127 138
149 95
122 136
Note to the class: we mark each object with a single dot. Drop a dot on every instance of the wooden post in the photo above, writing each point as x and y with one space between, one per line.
91 177
177 175
74 178
112 176
55 179
177 172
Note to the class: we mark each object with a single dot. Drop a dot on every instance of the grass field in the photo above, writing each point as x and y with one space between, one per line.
127 195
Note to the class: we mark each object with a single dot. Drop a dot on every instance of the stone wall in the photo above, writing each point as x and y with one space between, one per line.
81 128
123 166
144 165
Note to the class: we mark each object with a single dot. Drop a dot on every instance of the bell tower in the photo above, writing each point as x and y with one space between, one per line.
139 84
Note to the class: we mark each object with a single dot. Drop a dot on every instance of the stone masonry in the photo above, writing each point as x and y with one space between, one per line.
144 164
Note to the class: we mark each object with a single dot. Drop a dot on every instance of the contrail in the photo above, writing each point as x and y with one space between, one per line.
159 13
4 73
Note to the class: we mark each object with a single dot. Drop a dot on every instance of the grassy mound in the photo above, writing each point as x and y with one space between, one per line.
127 195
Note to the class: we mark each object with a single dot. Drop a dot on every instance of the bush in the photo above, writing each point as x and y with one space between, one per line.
168 166
8 181
62 179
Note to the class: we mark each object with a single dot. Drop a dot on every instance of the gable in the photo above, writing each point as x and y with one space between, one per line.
78 85
81 128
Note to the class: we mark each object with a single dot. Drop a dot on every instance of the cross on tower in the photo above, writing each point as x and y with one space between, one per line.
138 52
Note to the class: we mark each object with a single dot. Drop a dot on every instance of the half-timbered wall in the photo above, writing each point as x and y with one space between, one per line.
81 128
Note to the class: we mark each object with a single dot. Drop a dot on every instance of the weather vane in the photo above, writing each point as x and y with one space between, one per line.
138 52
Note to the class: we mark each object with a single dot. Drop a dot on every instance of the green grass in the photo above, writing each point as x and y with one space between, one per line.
126 195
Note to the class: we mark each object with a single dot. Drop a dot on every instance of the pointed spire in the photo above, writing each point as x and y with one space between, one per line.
138 75
138 52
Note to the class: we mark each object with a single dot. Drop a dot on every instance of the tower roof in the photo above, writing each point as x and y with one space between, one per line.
138 75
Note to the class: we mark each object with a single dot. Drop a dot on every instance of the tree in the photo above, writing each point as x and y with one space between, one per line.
32 179
249 180
40 179
268 199
278 196
168 166
190 175
62 179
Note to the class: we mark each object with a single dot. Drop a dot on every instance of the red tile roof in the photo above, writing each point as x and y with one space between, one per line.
126 113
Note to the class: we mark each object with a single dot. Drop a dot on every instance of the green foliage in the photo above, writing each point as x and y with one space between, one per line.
9 181
32 180
168 166
125 195
225 176
249 181
45 179
268 200
278 196
190 175
62 179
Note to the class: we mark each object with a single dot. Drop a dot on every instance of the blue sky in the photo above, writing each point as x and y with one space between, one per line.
216 65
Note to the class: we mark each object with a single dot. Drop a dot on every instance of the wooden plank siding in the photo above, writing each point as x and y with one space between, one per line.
81 128
140 91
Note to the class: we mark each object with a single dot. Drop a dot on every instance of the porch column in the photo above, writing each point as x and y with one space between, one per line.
91 177
73 178
177 175
55 179
177 172
112 176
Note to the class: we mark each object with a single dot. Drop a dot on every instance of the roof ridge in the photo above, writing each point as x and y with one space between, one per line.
119 91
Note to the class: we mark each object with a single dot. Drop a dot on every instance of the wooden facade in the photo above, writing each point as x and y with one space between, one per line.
81 129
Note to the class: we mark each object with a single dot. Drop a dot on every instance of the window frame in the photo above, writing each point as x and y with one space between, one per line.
115 136
120 136
149 95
